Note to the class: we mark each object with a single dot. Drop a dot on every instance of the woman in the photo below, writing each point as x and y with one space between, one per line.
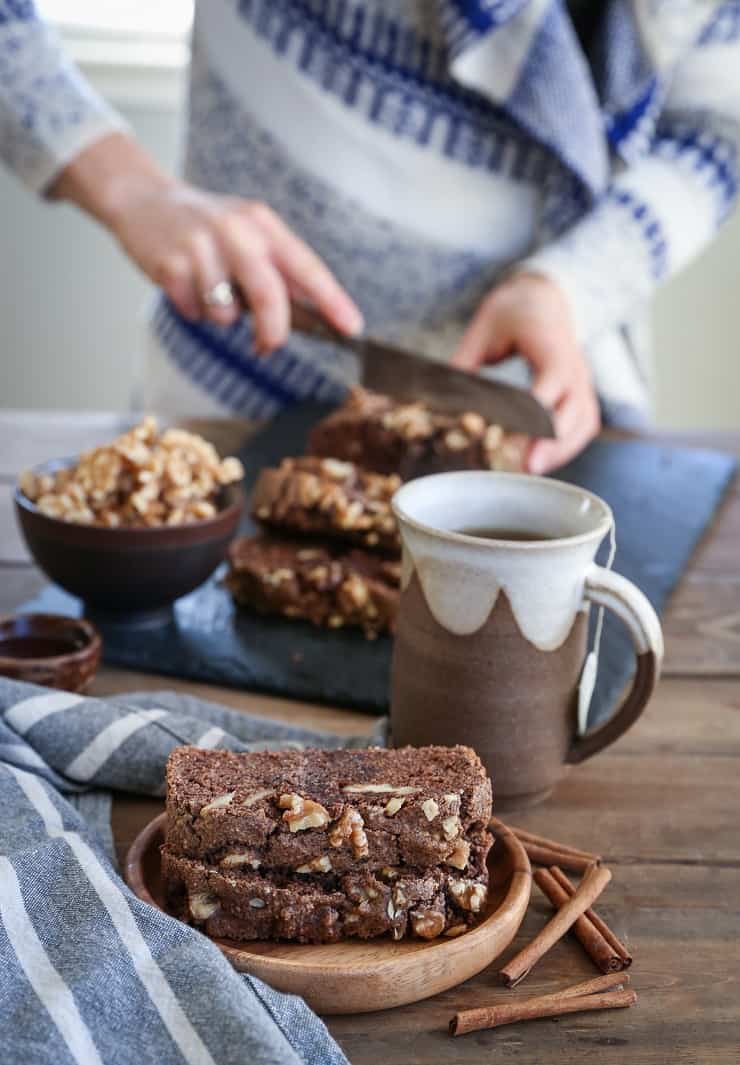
481 177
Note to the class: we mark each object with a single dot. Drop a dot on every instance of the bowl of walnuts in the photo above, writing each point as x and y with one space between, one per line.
134 525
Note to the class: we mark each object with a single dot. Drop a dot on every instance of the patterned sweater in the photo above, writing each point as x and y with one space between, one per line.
422 147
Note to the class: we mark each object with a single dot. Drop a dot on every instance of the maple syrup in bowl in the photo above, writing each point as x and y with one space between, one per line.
51 650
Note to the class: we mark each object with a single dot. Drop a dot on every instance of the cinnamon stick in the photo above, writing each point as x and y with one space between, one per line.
590 995
547 856
544 851
589 889
590 938
550 844
616 945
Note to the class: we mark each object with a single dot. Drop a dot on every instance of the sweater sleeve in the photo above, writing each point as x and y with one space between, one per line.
658 213
48 111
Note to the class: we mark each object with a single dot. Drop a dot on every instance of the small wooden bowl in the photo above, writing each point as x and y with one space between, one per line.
358 976
46 649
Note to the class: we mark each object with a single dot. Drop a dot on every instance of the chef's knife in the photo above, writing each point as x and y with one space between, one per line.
411 378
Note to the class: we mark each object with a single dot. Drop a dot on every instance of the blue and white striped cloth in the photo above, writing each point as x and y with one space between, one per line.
89 974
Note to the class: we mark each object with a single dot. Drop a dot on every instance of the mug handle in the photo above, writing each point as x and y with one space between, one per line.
605 588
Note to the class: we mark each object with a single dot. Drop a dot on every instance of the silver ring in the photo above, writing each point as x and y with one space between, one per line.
221 295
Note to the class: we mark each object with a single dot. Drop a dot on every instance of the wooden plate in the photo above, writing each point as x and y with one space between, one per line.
357 976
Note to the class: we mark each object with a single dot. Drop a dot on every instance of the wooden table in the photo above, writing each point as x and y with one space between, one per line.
663 804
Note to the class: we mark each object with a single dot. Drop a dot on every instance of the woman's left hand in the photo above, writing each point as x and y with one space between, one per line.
528 315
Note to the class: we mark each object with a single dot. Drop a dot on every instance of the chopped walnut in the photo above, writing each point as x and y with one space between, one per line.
460 856
202 905
278 576
258 796
455 440
337 470
350 826
316 865
218 803
468 894
430 809
427 924
473 424
137 480
451 826
379 789
394 805
301 813
399 897
235 858
353 593
412 420
455 930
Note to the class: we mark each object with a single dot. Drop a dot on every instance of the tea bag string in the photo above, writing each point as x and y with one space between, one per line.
591 665
600 616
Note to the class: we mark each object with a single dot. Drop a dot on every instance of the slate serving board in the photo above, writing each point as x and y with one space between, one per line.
662 498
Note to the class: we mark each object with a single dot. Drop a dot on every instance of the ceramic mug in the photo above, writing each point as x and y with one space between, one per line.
491 637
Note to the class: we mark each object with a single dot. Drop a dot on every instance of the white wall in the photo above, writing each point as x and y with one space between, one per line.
696 333
72 308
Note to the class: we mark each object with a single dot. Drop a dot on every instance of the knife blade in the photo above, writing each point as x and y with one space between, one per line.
413 378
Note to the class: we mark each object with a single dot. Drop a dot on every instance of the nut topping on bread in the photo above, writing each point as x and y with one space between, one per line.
350 826
339 843
218 803
301 813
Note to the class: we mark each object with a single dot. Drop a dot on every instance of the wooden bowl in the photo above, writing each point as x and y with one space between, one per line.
358 976
57 652
126 571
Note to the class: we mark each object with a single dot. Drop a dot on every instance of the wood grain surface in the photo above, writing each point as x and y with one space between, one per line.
662 805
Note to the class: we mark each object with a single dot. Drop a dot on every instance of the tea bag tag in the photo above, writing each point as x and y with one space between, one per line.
590 669
586 689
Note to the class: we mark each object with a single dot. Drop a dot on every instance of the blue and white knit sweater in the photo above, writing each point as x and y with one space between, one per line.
424 146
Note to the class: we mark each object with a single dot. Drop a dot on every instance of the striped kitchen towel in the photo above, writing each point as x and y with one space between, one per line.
89 973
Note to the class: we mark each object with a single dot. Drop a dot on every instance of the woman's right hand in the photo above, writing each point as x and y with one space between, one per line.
187 241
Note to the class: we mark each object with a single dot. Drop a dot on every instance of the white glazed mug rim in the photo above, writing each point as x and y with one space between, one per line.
600 529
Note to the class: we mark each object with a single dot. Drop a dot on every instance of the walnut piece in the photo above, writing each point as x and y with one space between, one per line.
468 894
257 796
394 805
350 826
301 813
234 858
451 826
455 440
460 856
202 905
389 873
430 809
378 789
473 424
316 865
427 924
363 893
399 897
455 930
218 803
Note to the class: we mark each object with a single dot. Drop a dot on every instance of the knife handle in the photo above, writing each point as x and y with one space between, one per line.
306 320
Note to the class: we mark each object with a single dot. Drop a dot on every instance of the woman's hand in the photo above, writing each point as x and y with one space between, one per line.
528 315
187 241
